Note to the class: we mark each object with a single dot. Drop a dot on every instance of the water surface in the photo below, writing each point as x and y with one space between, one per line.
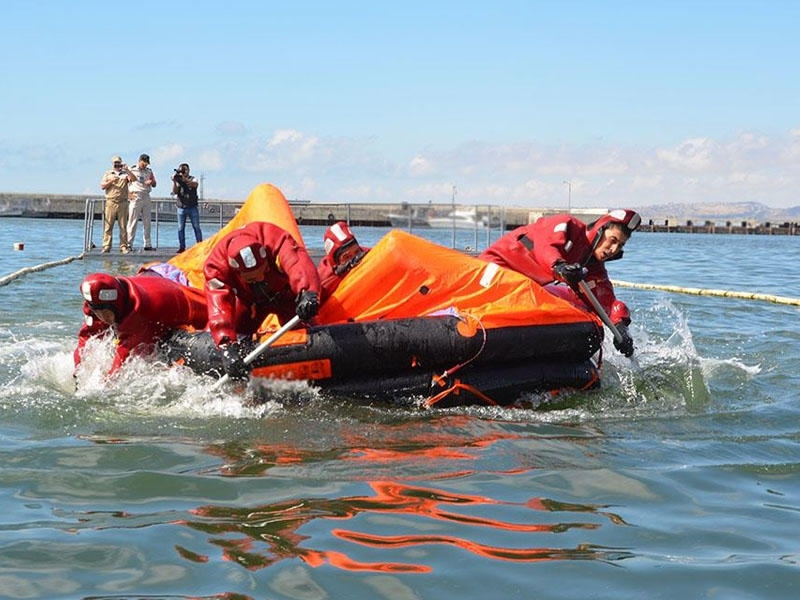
680 477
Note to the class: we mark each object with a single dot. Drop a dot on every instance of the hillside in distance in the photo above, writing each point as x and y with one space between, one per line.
719 212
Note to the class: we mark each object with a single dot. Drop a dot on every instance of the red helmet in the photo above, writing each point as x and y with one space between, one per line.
629 219
337 237
102 291
246 254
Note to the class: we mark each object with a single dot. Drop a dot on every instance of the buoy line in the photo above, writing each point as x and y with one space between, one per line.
5 280
707 292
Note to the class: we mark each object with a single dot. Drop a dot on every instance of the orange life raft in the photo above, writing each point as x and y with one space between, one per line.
415 319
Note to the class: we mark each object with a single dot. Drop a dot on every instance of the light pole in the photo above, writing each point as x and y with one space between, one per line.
569 195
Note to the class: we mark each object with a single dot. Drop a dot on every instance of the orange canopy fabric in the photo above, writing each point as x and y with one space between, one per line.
265 203
405 276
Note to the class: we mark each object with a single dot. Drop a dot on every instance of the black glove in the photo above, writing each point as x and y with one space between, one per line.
307 304
233 361
571 273
625 345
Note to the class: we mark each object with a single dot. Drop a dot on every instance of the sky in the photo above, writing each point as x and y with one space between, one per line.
513 103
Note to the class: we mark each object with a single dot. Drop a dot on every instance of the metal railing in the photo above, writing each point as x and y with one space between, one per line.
162 212
483 223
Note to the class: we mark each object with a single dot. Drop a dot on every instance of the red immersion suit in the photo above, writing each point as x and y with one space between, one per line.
238 307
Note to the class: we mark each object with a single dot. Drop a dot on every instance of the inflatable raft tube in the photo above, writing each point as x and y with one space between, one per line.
401 356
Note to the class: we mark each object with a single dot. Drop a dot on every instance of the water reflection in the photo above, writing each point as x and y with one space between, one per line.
260 536
445 447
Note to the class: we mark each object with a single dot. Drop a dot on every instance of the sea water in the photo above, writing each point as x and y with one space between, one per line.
680 477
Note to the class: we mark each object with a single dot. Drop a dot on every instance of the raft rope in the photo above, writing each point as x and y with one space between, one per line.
459 366
707 292
5 280
456 388
442 380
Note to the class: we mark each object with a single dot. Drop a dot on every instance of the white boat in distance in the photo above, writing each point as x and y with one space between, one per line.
458 219
405 220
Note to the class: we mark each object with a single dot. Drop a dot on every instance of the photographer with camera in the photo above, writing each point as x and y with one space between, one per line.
184 186
115 184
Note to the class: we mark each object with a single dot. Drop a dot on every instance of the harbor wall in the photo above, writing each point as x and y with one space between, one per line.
364 214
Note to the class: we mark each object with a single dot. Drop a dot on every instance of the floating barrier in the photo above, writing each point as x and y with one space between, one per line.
710 292
5 280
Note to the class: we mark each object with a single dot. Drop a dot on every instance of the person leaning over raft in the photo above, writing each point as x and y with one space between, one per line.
115 184
138 310
563 248
252 272
342 253
184 186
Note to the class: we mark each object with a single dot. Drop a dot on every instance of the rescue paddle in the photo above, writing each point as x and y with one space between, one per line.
598 308
261 347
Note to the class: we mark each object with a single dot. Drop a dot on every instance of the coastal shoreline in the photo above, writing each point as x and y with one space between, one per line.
376 215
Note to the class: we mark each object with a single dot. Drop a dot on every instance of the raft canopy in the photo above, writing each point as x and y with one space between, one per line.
404 276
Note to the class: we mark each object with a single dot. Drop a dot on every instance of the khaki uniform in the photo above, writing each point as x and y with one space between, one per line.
116 209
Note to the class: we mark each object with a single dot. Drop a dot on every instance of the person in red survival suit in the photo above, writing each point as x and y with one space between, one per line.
252 272
342 253
563 248
138 310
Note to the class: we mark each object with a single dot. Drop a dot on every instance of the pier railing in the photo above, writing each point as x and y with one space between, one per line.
484 222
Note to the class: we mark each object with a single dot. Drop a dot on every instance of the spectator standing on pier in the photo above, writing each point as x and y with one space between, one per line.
115 183
139 196
184 186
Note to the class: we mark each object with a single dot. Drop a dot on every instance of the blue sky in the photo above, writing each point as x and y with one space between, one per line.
635 103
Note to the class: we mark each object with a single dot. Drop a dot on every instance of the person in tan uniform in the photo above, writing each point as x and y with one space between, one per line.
139 206
115 184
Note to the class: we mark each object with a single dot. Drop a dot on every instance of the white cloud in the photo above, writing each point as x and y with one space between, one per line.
284 149
168 154
210 160
791 153
747 166
694 154
420 165
646 181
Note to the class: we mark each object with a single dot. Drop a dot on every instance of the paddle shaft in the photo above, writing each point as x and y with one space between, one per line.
261 347
598 308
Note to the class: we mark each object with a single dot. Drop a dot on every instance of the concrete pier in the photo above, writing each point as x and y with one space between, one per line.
309 213
52 206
